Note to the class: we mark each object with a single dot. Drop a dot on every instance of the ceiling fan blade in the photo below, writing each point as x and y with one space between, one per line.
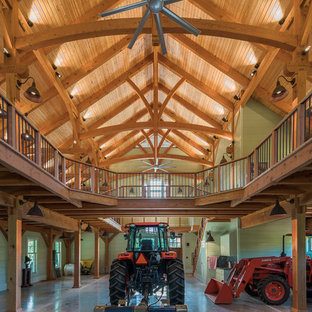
123 9
169 167
160 34
147 169
171 1
163 169
179 20
146 162
139 29
167 163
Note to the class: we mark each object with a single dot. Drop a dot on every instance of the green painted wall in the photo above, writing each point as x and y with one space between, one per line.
265 240
253 123
188 251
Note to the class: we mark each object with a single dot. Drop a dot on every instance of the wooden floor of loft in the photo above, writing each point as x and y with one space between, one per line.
288 178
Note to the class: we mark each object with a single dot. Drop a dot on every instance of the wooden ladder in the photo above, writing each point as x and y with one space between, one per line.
200 235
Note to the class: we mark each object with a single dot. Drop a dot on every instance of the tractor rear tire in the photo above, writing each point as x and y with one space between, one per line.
251 291
176 284
273 290
118 281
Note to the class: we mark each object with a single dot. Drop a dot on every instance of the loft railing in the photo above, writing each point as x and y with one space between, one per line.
24 137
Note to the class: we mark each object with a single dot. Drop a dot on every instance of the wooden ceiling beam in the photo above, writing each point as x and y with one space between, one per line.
163 138
98 95
85 70
190 142
151 156
170 113
184 148
141 96
119 143
171 93
265 65
162 125
263 97
196 83
148 139
124 26
192 108
210 8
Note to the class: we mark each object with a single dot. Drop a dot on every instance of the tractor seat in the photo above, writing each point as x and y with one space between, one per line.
147 245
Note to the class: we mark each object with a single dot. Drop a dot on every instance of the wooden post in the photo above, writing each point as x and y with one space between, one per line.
68 244
12 126
106 255
50 241
56 164
274 148
63 170
14 271
38 147
143 189
219 179
96 255
77 259
195 184
298 258
93 183
248 169
256 163
300 124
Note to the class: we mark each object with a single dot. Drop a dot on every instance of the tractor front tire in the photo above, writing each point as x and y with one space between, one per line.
176 284
251 290
273 290
118 281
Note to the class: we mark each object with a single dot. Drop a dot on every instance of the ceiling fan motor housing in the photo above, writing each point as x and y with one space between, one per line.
156 5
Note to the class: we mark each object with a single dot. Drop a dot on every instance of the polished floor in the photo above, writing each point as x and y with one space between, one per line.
59 296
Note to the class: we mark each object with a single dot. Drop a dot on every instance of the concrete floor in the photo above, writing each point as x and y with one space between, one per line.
59 296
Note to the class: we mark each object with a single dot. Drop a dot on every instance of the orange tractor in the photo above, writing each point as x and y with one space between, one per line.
147 266
270 278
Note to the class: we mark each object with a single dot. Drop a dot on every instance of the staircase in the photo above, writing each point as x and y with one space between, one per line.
201 233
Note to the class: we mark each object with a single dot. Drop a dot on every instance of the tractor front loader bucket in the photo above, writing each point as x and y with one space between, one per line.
219 292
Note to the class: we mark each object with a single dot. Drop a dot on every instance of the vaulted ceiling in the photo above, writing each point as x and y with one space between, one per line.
103 104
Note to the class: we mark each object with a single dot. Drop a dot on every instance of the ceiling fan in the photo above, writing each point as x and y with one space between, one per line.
156 167
155 7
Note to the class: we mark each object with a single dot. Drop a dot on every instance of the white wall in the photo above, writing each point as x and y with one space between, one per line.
188 238
3 262
41 273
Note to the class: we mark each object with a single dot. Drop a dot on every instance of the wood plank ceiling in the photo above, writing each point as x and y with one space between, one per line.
112 85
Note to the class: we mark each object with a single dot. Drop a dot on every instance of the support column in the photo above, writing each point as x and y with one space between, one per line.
96 255
298 259
14 259
68 244
50 241
77 259
106 255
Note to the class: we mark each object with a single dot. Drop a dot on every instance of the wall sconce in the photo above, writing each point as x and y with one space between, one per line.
278 210
209 237
280 92
32 94
35 211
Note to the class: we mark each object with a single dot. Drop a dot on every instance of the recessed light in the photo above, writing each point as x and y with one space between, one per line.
257 66
306 50
282 21
71 96
236 98
253 73
224 119
58 75
30 23
6 52
75 142
54 66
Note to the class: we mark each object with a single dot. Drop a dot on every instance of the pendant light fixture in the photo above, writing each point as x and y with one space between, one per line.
88 229
278 210
32 94
209 237
35 211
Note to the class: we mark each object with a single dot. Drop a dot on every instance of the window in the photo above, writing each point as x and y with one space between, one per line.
175 243
156 188
58 254
32 253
